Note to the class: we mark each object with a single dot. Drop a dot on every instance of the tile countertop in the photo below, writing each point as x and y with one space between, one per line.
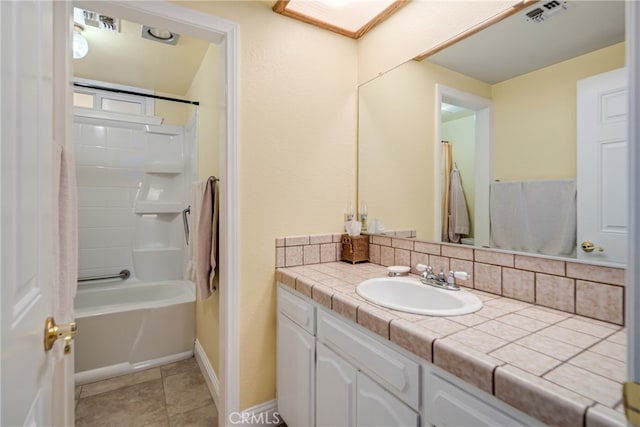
560 368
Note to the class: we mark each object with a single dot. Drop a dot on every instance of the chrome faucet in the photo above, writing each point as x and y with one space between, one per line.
440 280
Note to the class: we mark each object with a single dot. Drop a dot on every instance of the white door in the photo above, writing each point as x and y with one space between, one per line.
28 388
602 167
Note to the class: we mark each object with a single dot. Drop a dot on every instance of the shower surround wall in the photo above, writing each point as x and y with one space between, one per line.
132 188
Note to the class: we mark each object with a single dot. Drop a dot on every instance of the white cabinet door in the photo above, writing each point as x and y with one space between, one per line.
378 407
450 406
335 389
295 373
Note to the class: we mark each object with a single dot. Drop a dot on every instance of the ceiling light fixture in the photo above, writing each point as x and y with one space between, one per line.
80 44
159 35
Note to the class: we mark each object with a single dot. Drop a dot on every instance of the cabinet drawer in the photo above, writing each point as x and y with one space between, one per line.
447 405
296 309
395 372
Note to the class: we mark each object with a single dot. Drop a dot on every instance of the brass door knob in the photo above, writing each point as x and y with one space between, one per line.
588 247
52 332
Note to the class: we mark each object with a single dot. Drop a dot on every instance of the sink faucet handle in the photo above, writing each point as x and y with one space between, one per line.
462 275
453 275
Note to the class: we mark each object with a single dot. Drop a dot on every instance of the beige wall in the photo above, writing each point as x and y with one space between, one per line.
297 155
397 151
535 117
205 89
173 113
417 27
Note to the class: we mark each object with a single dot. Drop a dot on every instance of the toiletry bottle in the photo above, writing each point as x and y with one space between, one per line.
363 216
349 215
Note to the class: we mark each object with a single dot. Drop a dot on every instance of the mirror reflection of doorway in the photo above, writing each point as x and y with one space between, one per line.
464 122
458 172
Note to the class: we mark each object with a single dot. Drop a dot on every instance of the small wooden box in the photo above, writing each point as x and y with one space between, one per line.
355 248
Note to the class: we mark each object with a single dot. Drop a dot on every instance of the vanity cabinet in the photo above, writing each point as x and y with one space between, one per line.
347 397
296 349
332 372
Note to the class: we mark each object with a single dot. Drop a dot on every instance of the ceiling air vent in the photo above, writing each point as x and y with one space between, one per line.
548 9
94 19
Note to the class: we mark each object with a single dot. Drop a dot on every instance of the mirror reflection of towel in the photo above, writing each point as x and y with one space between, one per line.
458 213
534 216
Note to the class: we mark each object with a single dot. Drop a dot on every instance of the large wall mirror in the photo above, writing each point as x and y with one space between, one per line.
504 100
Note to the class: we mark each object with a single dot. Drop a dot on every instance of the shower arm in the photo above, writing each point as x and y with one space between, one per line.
185 222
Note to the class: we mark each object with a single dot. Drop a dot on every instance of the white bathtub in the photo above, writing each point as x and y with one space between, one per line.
132 326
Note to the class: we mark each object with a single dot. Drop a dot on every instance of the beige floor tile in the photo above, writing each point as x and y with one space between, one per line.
179 367
119 382
207 416
185 391
139 403
136 405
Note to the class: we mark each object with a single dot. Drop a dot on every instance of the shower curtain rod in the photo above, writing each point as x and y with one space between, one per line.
130 92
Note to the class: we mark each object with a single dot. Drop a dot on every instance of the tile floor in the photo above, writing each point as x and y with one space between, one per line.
173 395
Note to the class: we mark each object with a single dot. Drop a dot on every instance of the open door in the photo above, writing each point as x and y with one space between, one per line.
602 181
36 384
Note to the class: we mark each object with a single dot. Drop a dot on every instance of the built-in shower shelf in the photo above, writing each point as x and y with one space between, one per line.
168 168
156 207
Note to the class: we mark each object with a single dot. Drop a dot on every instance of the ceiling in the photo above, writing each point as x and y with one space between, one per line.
126 58
518 45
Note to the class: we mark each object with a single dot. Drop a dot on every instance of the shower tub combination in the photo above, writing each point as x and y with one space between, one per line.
128 327
133 183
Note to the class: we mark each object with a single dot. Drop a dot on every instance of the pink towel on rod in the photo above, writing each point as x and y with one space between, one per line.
65 236
203 237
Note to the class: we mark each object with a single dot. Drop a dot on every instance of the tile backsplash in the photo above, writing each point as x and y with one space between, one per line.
574 287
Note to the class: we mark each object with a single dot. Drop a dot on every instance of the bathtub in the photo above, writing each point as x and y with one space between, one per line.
131 326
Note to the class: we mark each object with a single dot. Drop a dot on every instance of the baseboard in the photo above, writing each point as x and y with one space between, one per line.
208 373
262 415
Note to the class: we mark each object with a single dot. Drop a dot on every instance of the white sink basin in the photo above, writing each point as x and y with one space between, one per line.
412 296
